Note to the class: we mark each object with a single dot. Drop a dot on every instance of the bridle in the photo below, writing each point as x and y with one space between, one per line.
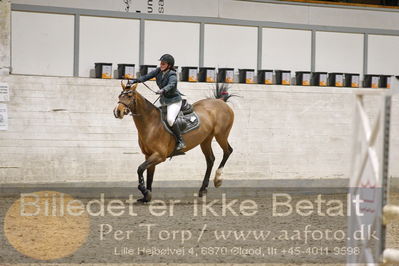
132 109
129 107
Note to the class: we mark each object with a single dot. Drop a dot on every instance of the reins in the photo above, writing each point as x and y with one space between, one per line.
149 88
153 92
131 109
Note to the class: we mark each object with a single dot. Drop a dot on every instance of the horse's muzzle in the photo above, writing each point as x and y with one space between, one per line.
116 112
120 111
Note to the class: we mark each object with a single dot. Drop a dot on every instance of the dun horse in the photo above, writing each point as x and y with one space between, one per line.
157 144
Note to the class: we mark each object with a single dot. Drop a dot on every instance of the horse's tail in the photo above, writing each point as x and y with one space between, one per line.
222 92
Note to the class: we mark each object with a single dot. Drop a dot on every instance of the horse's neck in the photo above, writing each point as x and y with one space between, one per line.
147 116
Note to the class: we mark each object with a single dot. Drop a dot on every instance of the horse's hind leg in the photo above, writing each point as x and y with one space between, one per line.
227 150
206 148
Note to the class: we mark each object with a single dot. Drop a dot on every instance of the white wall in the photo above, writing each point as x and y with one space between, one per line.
179 39
339 52
383 55
279 132
357 18
277 12
42 44
286 49
107 40
263 11
302 14
5 38
117 40
206 8
230 46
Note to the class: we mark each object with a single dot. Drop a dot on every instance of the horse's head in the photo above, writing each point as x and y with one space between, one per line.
126 100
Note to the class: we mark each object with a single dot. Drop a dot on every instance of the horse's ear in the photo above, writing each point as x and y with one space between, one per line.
134 86
123 85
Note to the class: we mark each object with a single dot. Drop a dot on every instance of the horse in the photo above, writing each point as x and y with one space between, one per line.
157 144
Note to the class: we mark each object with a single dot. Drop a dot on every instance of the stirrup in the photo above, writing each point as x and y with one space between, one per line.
180 146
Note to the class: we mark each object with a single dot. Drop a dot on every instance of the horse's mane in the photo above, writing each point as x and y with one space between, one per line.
148 102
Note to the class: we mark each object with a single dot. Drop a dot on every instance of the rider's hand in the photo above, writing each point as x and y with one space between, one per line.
130 82
160 92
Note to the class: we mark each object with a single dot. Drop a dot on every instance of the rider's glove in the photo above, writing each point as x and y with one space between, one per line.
130 82
160 92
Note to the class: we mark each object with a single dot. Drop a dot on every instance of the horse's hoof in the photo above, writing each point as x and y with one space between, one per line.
202 193
147 197
142 200
217 182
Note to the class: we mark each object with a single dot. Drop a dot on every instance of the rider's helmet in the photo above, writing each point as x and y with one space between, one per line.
168 59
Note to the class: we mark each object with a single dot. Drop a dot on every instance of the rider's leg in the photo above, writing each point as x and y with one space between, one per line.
172 112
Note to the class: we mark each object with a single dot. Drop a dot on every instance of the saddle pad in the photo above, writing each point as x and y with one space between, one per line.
186 122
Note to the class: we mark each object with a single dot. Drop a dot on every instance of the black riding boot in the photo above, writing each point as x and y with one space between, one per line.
179 140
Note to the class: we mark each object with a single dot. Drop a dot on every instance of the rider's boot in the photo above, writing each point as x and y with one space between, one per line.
179 140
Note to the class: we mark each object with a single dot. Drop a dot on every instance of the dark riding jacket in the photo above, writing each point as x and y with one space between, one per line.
166 81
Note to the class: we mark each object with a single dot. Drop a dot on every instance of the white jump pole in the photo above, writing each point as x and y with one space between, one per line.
391 256
390 213
369 176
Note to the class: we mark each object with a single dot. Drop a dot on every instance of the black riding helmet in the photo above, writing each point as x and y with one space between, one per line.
168 59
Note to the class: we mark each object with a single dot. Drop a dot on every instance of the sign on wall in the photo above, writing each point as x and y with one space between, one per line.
150 6
155 6
3 117
4 92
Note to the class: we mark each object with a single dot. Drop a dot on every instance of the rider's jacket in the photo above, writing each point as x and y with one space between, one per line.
166 81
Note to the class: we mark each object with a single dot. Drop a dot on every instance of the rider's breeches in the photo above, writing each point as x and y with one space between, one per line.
172 112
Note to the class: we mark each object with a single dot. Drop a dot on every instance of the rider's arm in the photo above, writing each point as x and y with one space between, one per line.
150 75
172 82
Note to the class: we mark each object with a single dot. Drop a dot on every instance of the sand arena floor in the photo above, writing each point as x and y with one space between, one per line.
182 234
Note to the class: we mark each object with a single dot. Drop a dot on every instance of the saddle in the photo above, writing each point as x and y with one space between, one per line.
187 119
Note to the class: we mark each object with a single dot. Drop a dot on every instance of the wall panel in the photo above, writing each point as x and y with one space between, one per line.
286 49
109 40
383 56
42 44
339 52
179 39
230 46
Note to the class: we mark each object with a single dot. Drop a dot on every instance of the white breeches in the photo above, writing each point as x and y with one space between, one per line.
172 112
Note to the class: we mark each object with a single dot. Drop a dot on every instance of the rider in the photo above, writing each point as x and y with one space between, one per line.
166 79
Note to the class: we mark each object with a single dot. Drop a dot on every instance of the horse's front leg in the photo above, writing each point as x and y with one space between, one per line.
150 177
151 161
